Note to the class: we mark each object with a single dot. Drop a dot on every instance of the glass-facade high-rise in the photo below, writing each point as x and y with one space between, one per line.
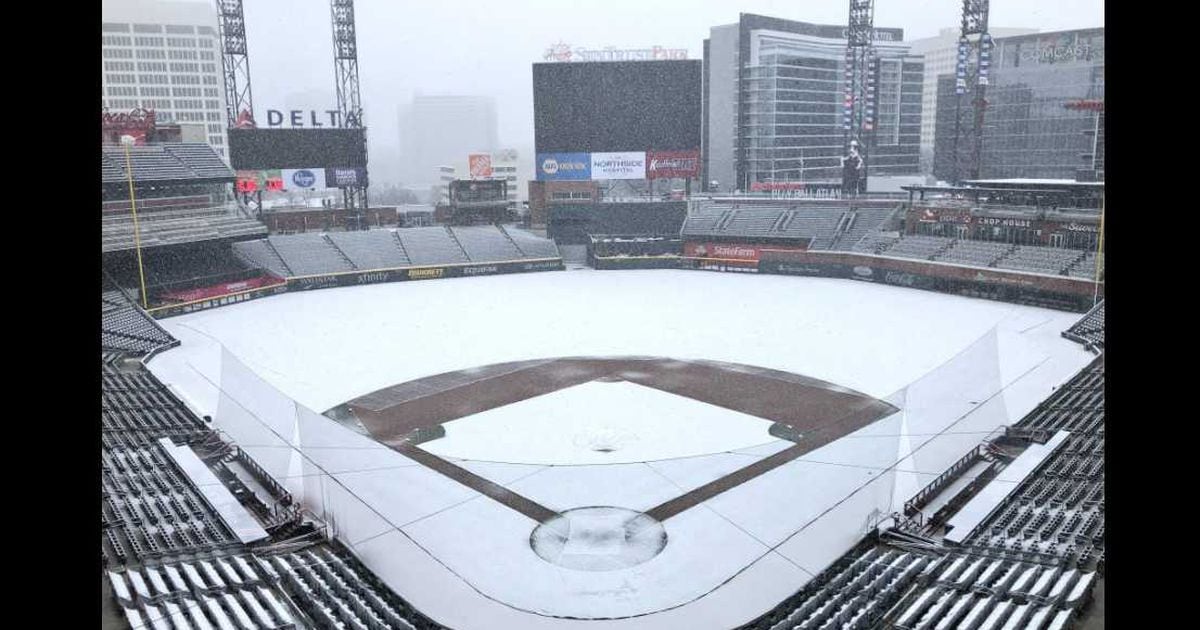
773 103
1044 116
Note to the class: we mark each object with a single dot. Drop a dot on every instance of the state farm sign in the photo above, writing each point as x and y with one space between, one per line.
721 250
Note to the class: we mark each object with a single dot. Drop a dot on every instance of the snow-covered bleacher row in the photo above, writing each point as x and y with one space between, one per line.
304 589
171 560
127 329
823 227
171 226
907 590
1090 329
163 162
314 254
1056 261
1058 514
1032 563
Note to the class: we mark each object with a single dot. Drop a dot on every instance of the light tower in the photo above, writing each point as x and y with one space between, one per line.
239 106
349 104
973 78
862 66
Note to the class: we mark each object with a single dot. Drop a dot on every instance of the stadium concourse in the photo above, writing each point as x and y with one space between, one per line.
548 454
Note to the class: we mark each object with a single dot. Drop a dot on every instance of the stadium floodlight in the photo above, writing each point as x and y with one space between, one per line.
128 141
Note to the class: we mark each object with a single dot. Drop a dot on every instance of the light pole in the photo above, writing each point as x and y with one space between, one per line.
128 141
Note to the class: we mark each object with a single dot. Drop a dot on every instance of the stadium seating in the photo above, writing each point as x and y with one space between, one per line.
486 243
875 242
309 254
531 246
974 253
824 227
371 249
431 246
313 254
125 328
919 247
174 226
163 162
1090 329
863 221
1037 259
248 591
820 225
1085 267
169 558
262 254
1058 514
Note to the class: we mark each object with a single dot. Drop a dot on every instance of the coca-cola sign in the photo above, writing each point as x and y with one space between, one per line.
137 119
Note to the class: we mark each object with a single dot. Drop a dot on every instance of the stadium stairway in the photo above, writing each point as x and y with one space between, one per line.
454 238
508 236
400 244
274 252
340 252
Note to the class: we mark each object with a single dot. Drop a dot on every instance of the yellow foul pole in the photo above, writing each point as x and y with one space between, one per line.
137 236
1099 252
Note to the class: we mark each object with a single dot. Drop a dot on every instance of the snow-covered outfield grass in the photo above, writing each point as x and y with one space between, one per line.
956 367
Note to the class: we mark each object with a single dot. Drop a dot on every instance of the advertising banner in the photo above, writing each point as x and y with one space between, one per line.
733 251
623 165
480 164
345 177
720 250
661 164
219 290
303 178
253 181
564 166
775 186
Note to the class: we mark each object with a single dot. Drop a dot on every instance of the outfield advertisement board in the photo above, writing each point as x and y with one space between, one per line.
420 273
620 165
664 164
303 178
564 166
734 251
345 177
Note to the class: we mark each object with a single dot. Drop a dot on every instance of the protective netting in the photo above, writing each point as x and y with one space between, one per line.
367 493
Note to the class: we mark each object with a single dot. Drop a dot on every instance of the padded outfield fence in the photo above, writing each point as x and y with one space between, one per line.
356 278
1057 292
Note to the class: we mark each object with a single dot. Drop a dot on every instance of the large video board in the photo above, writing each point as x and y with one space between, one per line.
251 149
615 107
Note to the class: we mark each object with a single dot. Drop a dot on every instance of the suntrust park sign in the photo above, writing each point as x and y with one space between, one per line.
564 52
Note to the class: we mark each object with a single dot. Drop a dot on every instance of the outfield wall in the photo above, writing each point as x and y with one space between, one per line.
1058 292
356 278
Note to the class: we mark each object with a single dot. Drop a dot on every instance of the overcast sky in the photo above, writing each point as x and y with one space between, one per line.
477 47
